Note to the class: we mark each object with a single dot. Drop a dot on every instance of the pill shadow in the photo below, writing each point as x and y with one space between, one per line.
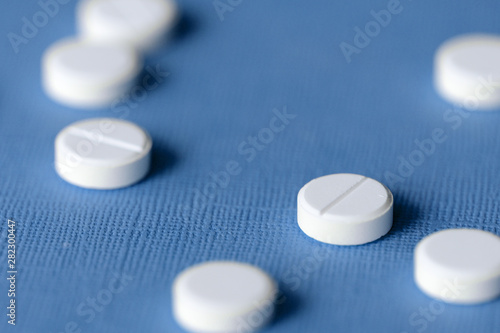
406 213
183 29
164 158
186 26
286 305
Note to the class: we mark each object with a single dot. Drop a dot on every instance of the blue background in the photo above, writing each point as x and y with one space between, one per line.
226 77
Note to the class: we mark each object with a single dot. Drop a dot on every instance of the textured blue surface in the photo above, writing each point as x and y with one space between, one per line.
226 78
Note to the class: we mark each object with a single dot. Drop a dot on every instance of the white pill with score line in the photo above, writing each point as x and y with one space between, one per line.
460 266
467 71
223 296
345 209
103 153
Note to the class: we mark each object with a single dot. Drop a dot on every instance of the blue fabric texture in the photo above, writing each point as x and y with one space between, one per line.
260 97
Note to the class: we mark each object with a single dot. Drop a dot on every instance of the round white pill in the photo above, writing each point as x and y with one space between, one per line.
142 23
86 74
345 209
459 266
223 296
102 153
467 71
